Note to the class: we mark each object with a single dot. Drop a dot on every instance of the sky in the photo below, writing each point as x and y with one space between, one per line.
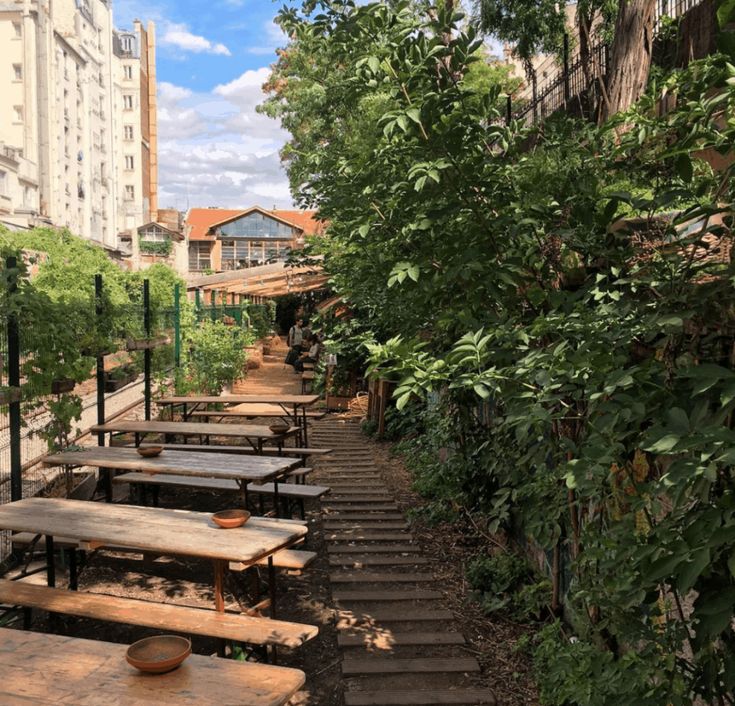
212 60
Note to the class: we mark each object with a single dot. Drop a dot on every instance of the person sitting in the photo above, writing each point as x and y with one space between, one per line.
312 356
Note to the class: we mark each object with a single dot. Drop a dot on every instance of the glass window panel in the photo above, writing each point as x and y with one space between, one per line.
257 225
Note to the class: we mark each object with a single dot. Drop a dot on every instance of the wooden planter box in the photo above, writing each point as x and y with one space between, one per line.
144 344
113 384
9 394
59 387
341 403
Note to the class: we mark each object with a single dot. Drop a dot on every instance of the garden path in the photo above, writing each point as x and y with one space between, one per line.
398 641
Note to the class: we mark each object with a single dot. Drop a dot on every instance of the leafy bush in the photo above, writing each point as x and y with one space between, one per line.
216 357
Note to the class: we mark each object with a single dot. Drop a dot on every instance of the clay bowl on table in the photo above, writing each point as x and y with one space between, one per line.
279 428
149 451
229 519
159 654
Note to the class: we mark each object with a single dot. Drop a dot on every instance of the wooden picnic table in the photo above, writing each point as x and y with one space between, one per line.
42 670
252 432
238 467
156 530
293 405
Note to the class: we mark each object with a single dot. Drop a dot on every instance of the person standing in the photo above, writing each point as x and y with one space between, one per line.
295 339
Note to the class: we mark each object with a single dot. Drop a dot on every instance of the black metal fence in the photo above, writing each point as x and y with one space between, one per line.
575 86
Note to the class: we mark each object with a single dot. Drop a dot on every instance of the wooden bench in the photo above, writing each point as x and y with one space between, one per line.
286 491
299 451
307 381
161 616
253 415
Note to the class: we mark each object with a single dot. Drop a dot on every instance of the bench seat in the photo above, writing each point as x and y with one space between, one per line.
253 415
247 450
291 491
161 616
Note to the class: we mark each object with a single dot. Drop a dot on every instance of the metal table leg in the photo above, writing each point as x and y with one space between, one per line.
50 562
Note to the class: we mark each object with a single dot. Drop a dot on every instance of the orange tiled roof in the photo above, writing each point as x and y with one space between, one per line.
199 221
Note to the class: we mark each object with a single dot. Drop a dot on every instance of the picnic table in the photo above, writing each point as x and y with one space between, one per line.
155 530
292 405
256 434
240 468
41 670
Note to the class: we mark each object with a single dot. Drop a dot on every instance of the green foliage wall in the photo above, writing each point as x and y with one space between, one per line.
565 297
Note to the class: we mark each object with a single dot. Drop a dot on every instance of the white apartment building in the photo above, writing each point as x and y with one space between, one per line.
60 120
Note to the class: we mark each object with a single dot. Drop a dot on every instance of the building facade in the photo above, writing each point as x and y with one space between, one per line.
61 124
221 240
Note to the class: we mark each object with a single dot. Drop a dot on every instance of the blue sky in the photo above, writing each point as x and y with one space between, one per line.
213 57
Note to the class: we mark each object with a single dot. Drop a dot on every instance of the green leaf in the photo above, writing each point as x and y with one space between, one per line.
415 115
374 64
689 574
726 13
664 444
685 168
731 564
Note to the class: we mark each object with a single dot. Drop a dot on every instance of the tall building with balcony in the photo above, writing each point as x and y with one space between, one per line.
59 118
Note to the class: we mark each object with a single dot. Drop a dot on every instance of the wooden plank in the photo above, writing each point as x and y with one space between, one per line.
374 549
208 429
183 463
355 516
336 524
369 577
43 670
359 562
368 535
377 665
399 639
168 532
244 450
459 697
386 596
396 615
291 400
161 616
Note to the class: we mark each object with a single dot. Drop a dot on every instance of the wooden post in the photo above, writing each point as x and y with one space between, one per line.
177 327
567 92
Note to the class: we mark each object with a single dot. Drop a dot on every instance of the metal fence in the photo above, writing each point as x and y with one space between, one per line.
572 85
145 346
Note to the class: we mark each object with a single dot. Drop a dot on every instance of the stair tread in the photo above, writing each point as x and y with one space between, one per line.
466 697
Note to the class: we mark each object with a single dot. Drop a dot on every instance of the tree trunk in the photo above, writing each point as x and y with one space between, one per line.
630 61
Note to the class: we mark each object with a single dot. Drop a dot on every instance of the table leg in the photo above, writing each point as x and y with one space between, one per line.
272 585
73 570
50 562
276 499
219 585
305 420
243 493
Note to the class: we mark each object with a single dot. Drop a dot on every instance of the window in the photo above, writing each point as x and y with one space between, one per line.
129 162
17 30
129 192
129 134
258 225
199 256
28 196
127 102
154 235
235 254
18 112
18 72
3 183
128 69
127 42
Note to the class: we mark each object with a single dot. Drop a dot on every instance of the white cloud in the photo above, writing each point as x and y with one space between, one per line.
178 35
215 149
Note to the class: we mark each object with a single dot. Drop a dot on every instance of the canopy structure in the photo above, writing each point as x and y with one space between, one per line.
266 282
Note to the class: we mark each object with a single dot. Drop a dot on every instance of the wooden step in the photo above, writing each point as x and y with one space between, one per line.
358 562
369 507
396 615
399 639
368 577
386 596
368 535
379 665
359 516
374 549
459 697
346 499
364 524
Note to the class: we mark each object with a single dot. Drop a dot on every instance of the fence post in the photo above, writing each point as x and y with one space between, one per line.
16 466
177 328
508 109
147 352
105 473
566 68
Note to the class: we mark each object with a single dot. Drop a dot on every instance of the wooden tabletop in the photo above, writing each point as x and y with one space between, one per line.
181 463
250 431
44 670
168 532
291 400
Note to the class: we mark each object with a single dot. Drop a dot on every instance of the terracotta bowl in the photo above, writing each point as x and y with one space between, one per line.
279 428
229 519
149 451
160 654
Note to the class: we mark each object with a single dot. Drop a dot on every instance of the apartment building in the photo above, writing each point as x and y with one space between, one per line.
61 124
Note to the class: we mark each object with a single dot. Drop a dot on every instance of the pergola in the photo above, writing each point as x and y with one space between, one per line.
258 283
